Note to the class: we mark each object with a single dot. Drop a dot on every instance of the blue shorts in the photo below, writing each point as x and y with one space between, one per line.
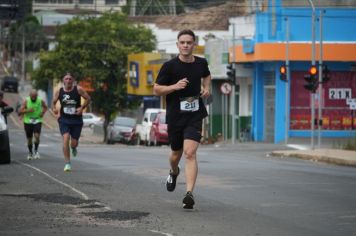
74 128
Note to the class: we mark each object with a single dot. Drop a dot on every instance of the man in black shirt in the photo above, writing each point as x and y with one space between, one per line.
184 80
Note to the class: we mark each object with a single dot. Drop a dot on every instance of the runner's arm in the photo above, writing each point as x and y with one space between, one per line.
44 107
23 108
206 87
87 98
161 90
54 103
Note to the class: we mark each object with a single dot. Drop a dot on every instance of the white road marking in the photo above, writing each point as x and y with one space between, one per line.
298 147
159 232
83 195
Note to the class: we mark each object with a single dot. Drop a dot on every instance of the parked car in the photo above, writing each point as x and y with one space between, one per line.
158 132
90 119
143 129
121 129
10 83
5 157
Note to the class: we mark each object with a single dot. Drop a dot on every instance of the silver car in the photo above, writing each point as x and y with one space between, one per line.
121 129
90 120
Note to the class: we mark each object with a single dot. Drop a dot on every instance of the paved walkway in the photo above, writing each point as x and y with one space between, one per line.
332 156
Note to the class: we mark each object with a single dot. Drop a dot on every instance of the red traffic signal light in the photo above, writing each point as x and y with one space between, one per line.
283 73
313 71
312 79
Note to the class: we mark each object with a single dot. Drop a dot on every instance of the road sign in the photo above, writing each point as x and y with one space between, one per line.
226 88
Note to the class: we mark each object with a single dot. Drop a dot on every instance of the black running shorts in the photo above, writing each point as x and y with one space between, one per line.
30 129
73 128
178 133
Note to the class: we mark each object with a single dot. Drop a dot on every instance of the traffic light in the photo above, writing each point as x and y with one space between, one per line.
312 79
231 72
283 73
325 74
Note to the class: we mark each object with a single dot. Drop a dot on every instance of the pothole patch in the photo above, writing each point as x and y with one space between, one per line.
118 215
56 198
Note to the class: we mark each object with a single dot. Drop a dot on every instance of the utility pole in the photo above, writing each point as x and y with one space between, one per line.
133 8
313 64
233 91
23 76
320 120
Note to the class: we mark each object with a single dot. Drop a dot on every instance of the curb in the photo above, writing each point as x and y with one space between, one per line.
313 157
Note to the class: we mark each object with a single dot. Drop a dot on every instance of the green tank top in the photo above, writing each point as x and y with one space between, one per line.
35 116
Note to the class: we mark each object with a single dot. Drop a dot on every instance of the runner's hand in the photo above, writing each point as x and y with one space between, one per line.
204 93
181 84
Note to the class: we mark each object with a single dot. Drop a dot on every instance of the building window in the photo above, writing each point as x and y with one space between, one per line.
111 2
86 1
54 1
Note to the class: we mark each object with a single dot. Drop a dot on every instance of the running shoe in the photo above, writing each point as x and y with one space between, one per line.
188 200
37 155
74 151
172 180
29 156
67 167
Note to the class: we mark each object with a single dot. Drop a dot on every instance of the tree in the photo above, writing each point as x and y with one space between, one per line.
96 49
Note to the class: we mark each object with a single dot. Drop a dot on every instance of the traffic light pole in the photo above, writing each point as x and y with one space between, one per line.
313 64
287 84
320 79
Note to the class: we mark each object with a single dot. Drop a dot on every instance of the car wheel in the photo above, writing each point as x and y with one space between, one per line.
91 126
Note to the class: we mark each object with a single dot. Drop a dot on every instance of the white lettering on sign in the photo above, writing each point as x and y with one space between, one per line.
340 93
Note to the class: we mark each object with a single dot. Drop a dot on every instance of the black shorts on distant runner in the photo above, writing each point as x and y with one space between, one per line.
30 129
178 133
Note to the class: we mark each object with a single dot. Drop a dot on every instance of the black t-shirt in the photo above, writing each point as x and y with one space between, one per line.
174 70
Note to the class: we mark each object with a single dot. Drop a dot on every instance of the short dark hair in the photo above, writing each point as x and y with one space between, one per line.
186 31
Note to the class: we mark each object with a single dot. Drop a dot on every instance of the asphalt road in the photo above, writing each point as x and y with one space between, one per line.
119 190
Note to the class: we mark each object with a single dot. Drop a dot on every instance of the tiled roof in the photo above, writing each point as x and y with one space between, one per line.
210 18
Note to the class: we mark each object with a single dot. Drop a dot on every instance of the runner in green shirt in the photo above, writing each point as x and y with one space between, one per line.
33 109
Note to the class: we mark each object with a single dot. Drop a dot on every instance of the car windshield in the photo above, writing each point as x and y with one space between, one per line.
162 118
125 121
153 116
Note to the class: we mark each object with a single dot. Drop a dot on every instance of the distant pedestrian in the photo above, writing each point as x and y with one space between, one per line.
2 102
32 110
69 116
184 80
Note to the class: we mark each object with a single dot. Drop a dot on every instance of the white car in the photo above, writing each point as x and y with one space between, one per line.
143 129
4 136
90 119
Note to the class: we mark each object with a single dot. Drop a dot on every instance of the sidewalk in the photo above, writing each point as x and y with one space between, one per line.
332 156
330 151
327 153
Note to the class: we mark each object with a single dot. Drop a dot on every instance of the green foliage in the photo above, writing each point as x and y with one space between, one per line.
350 144
29 30
96 48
